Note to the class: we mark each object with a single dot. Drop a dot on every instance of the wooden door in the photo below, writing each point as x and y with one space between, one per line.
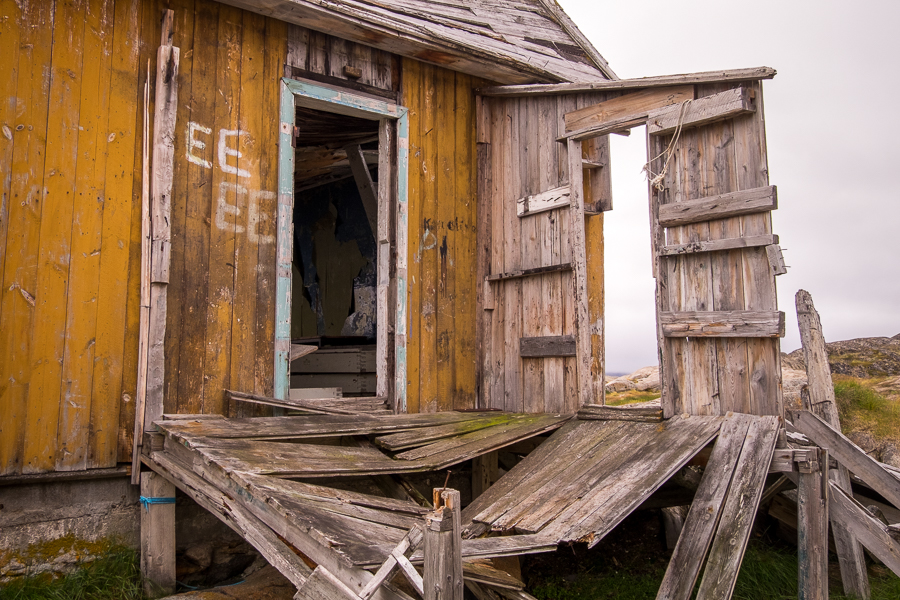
539 289
715 255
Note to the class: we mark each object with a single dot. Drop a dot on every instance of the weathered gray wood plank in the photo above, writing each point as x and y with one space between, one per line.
538 347
734 323
812 531
721 206
728 547
753 241
703 517
717 107
653 414
544 201
872 533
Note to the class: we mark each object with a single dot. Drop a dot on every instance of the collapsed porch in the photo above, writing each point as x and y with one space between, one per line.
280 482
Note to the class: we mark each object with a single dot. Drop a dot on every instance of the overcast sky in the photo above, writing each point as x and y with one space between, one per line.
832 131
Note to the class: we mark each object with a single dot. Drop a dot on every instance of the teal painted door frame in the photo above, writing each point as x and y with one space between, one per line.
298 93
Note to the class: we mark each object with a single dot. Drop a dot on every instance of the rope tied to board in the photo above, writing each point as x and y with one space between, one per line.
147 501
656 179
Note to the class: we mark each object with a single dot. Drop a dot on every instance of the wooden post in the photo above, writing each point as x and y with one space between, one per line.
443 576
157 535
821 404
165 111
812 528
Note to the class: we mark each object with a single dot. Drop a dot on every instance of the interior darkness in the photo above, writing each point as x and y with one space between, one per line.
334 263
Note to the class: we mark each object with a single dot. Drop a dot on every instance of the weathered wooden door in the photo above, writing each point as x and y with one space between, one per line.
715 255
540 290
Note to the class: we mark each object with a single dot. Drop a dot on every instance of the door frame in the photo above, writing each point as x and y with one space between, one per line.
391 237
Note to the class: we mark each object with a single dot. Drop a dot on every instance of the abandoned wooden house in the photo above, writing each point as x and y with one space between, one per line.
249 249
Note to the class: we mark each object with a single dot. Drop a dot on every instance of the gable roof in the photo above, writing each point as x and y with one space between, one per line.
506 41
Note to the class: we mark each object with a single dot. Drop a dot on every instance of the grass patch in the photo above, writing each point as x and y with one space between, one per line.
629 397
114 576
863 409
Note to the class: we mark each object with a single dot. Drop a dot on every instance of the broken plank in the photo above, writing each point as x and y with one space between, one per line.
517 428
306 405
493 547
872 533
722 206
426 435
734 323
544 201
597 412
407 546
849 455
635 102
539 347
737 516
242 521
703 517
753 241
724 105
614 126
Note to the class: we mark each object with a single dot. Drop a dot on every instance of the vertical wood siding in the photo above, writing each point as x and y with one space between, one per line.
527 160
71 83
441 347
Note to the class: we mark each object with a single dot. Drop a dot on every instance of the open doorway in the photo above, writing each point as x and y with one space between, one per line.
341 307
630 331
334 262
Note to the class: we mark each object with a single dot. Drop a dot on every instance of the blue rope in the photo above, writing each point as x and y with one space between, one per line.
146 502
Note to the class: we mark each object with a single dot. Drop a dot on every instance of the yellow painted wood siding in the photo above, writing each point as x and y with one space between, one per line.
71 88
441 346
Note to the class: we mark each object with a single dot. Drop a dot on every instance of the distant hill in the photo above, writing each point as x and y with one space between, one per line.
863 357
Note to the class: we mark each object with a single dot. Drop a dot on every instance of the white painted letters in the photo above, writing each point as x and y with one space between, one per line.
192 143
223 208
237 207
225 152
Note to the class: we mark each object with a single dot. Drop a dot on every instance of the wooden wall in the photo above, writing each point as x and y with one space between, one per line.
525 159
441 345
71 88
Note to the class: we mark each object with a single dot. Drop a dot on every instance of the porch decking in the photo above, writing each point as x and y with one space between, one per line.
577 485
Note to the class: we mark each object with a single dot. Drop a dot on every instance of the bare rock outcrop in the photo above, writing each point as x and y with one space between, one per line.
862 357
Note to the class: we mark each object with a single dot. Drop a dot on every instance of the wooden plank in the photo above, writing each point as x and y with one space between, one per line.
849 455
721 206
560 345
597 412
518 428
724 105
625 84
140 412
718 245
54 204
580 290
17 303
628 104
812 532
300 404
603 507
517 274
543 201
483 195
706 508
442 569
727 550
736 323
157 535
618 125
311 425
776 259
426 435
74 431
872 533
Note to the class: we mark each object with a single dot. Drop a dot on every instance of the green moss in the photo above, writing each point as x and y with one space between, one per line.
44 552
629 397
114 575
